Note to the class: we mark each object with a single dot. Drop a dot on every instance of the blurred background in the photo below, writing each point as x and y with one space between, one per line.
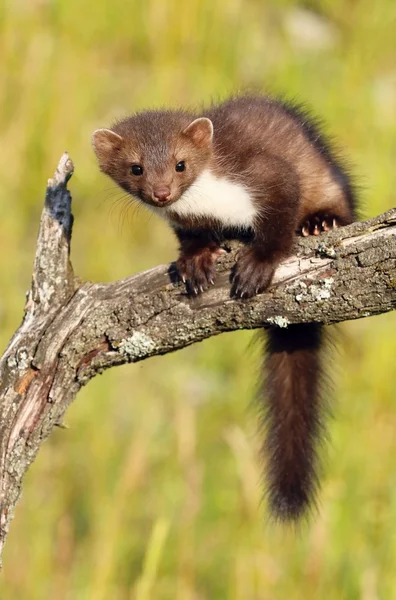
153 491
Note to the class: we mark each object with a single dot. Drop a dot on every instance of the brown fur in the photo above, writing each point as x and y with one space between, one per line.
155 140
278 153
293 418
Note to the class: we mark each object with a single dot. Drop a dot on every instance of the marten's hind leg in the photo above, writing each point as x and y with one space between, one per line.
318 223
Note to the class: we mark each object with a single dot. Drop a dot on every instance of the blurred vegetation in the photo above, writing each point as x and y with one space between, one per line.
153 491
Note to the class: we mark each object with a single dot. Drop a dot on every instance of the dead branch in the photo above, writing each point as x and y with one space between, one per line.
73 330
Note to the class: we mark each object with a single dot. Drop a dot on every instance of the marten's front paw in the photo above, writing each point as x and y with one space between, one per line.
197 270
252 274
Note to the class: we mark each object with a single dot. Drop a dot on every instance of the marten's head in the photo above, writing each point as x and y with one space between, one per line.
155 155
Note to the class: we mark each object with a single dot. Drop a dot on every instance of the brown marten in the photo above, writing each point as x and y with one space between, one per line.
257 169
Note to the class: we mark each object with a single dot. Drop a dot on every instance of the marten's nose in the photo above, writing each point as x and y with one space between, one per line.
162 194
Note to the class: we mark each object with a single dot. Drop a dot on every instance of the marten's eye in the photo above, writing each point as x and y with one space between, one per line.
181 166
136 170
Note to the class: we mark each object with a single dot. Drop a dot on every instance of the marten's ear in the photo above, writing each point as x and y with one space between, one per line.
200 131
105 141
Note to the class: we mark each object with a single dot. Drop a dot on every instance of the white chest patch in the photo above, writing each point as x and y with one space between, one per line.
216 198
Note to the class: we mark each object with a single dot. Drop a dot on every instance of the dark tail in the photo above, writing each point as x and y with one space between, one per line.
293 418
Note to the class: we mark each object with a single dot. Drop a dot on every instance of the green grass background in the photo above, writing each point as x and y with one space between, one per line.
153 490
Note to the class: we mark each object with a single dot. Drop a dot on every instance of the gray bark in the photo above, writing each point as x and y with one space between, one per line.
73 330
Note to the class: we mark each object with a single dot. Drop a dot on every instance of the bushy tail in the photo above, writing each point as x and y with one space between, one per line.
293 418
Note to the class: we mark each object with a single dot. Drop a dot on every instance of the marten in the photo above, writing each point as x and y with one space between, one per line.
257 169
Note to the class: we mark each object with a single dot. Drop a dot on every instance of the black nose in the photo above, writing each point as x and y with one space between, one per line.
162 194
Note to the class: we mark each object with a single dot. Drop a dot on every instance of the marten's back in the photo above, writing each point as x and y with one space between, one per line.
247 127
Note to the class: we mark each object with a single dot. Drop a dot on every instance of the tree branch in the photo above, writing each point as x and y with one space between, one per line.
71 330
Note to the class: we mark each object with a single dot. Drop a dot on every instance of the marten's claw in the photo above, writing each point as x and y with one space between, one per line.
318 223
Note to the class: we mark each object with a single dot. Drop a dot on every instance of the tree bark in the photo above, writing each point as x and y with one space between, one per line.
73 330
